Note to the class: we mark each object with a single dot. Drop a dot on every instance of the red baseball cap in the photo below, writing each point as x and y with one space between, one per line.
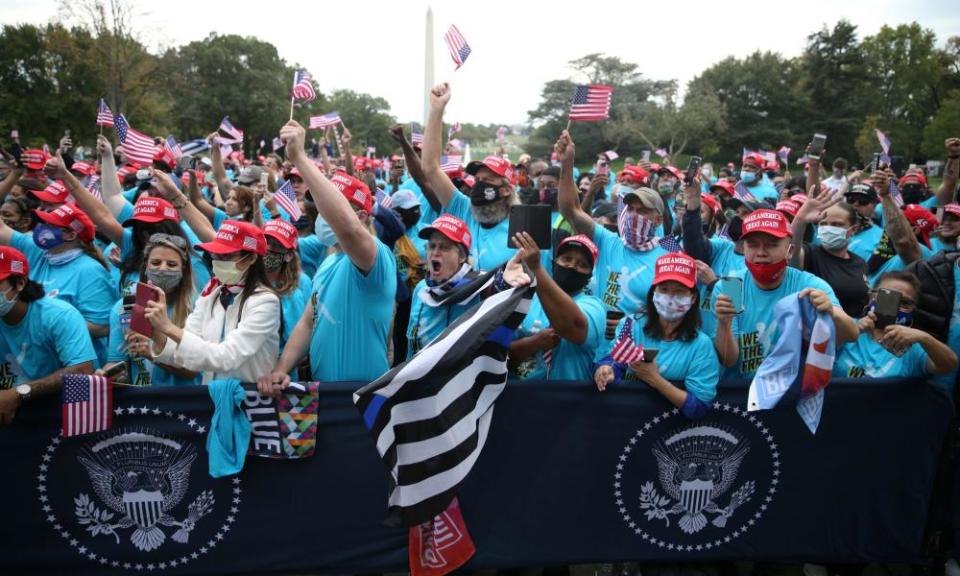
772 165
55 193
673 170
723 185
766 221
952 208
236 236
583 243
755 158
799 198
294 172
711 202
921 219
353 190
152 209
788 207
34 159
634 174
452 227
69 216
165 157
914 178
12 263
499 166
677 267
125 171
82 167
283 232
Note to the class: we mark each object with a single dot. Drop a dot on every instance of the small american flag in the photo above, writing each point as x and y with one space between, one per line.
325 120
87 404
611 155
416 134
137 146
884 141
626 351
303 87
590 102
895 193
784 154
174 148
501 132
277 144
455 129
383 198
287 199
249 243
104 114
662 153
234 133
725 231
670 244
93 185
450 163
459 49
740 192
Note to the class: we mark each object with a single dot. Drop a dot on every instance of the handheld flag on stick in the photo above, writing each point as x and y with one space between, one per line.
884 142
138 147
459 49
325 120
287 199
416 134
87 404
784 154
104 115
590 102
454 129
234 134
303 91
174 148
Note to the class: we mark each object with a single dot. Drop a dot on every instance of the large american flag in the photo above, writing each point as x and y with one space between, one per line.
303 87
104 114
287 199
450 162
137 146
325 120
590 102
416 134
459 49
87 404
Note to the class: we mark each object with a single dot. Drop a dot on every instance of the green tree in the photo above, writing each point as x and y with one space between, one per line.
946 124
367 117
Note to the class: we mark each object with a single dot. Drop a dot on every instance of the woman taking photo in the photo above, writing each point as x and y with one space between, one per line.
669 325
233 331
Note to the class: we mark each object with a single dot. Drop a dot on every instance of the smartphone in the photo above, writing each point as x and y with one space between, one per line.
816 146
649 354
732 287
138 320
66 132
888 304
264 178
611 329
115 370
535 220
692 168
603 167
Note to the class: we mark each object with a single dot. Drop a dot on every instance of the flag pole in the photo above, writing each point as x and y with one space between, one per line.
568 125
292 100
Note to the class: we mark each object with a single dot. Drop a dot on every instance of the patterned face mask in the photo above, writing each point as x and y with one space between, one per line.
636 230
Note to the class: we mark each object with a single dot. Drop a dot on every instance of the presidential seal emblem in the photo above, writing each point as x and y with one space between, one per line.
137 496
700 497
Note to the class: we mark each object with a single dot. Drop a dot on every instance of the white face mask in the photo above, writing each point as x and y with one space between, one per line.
228 272
324 232
832 237
671 308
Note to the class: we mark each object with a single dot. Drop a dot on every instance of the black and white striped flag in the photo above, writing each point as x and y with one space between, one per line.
430 415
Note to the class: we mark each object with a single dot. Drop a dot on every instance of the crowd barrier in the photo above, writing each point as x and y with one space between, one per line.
569 475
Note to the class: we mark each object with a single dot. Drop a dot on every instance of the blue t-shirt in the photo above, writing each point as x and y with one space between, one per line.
725 258
864 357
292 305
896 263
352 312
142 372
52 335
570 361
622 276
947 380
489 246
694 363
428 322
764 190
862 243
312 253
755 329
82 282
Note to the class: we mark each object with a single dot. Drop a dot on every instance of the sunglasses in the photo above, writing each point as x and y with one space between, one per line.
859 200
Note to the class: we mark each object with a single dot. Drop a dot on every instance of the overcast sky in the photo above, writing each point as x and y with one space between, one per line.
377 46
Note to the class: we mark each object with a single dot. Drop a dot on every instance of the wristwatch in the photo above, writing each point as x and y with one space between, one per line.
23 391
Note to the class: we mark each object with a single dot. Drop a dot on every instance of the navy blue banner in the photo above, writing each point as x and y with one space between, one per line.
568 475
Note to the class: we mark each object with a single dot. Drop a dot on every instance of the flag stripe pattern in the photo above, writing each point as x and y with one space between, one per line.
104 114
137 146
194 146
173 147
450 163
287 199
303 87
430 415
87 404
459 49
93 184
416 134
234 133
591 102
884 141
325 120
626 351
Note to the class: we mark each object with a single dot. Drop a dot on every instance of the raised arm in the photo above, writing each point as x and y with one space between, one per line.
695 244
567 193
440 183
96 210
110 189
197 221
347 153
897 226
354 239
566 318
324 157
947 191
219 172
415 167
809 213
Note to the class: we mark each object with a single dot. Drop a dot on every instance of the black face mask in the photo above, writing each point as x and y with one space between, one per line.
570 280
483 194
409 216
548 196
912 194
735 228
302 223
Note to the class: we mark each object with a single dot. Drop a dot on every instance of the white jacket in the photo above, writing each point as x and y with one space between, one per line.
213 342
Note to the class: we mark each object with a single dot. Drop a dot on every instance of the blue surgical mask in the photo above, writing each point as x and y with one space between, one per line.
748 177
832 237
324 232
6 305
46 236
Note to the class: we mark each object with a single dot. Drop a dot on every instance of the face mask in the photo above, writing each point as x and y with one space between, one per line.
46 236
482 194
166 280
832 237
671 308
272 261
570 280
548 196
766 274
666 188
228 272
636 230
409 217
324 232
6 305
707 173
912 194
748 177
623 190
302 222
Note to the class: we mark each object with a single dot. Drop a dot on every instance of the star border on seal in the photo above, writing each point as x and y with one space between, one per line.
709 545
83 551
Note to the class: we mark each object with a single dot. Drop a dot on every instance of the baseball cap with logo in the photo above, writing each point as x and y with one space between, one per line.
496 164
921 219
69 216
12 263
647 197
678 267
283 232
405 199
766 221
34 159
82 167
913 178
55 193
250 175
673 170
723 185
236 236
450 226
165 157
712 203
788 207
952 208
582 243
152 209
634 174
353 190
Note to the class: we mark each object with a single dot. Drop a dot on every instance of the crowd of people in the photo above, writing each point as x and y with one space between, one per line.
686 265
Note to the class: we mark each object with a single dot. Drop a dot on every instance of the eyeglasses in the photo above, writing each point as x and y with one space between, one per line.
859 200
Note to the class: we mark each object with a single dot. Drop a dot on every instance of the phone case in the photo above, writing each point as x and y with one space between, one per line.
534 220
732 287
138 321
